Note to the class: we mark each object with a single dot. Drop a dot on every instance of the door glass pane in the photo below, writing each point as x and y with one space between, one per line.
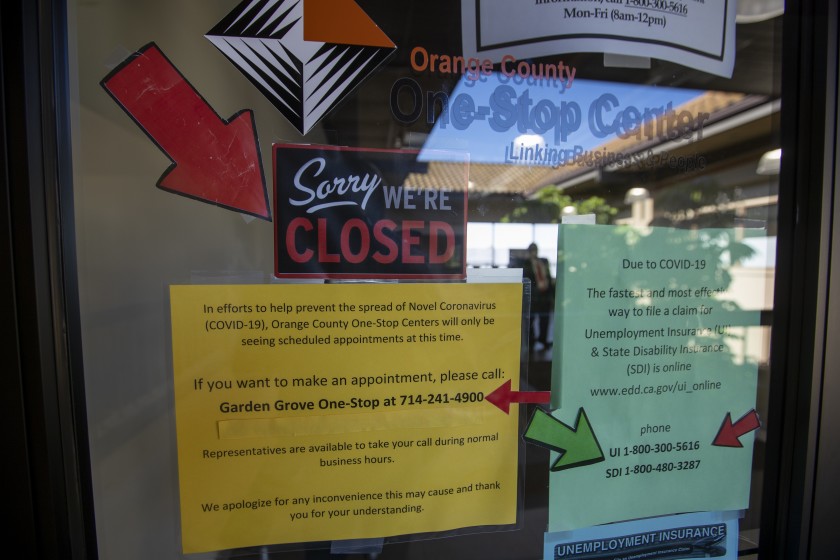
642 114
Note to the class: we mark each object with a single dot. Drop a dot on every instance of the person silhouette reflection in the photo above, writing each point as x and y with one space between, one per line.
537 270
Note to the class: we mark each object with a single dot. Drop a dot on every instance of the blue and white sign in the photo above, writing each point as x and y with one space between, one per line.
675 537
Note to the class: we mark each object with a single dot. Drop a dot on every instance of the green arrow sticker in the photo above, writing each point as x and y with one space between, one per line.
577 446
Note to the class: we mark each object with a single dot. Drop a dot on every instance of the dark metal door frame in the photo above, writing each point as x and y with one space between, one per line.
46 464
50 508
795 513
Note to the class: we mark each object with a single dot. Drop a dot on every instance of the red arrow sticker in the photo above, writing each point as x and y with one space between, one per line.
729 433
214 160
503 397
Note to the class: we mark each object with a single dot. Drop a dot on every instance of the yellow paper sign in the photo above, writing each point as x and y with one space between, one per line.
327 412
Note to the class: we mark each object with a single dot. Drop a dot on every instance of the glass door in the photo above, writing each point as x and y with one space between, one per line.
448 279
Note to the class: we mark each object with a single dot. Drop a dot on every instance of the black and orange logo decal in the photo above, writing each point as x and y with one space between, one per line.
303 55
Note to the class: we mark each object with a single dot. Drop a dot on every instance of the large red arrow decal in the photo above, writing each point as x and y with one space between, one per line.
729 433
503 396
214 160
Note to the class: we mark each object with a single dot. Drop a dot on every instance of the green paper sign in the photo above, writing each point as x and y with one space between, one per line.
651 342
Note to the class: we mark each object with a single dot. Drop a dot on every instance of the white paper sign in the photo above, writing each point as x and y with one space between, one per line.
695 33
